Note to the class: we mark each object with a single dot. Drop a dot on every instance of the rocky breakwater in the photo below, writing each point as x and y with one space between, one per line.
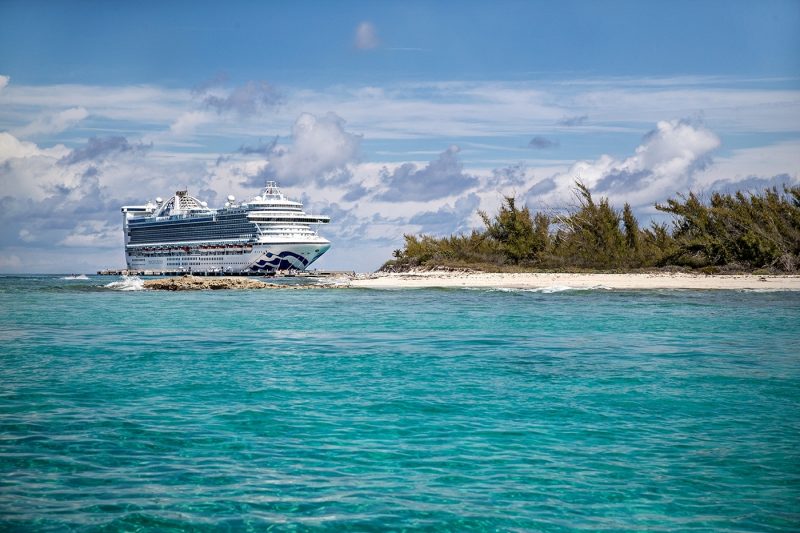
194 283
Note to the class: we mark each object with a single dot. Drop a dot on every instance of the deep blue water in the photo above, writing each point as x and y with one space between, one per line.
434 410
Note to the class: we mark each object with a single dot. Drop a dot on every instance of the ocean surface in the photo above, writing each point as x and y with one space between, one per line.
396 410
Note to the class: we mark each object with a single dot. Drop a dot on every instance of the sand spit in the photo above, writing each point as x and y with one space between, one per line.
541 280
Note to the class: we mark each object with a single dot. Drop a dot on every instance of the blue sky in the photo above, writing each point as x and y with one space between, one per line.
172 43
392 117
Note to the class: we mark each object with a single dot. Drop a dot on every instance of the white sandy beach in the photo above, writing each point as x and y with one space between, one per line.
657 280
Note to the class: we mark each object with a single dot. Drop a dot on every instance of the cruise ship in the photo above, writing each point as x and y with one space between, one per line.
264 234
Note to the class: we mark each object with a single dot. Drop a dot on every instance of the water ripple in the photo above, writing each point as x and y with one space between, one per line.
376 410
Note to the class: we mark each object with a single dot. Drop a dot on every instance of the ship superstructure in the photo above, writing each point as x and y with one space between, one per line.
267 233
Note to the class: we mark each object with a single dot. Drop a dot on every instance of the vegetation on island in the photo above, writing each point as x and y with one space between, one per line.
726 232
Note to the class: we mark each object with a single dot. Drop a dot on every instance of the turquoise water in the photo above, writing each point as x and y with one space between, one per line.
459 410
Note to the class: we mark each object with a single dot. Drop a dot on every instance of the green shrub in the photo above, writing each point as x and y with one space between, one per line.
735 231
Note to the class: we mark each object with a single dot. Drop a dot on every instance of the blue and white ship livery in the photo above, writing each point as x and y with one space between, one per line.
265 234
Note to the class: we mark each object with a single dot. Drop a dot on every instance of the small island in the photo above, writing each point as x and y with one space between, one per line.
739 241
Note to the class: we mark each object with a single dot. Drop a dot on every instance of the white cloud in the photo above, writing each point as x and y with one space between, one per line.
27 168
731 109
366 37
140 103
320 151
664 163
672 148
744 163
94 234
188 122
54 123
4 81
440 178
501 109
11 147
453 109
42 194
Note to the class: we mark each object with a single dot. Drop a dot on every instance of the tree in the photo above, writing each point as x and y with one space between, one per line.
631 227
751 230
513 228
591 236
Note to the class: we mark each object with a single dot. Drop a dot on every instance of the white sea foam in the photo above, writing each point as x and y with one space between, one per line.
335 282
127 283
542 290
79 276
561 288
778 289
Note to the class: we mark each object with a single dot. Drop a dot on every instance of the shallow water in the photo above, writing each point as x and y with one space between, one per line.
388 410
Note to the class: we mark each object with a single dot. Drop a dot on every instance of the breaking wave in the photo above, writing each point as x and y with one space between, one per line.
127 283
543 290
78 276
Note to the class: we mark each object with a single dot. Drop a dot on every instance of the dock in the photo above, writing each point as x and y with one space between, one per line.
279 273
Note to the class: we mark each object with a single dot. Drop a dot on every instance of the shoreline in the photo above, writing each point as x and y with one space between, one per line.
545 280
536 281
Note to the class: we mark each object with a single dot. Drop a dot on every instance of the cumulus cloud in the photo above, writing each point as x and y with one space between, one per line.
44 200
98 148
442 177
53 200
4 81
320 151
11 148
668 157
54 123
665 162
542 143
366 37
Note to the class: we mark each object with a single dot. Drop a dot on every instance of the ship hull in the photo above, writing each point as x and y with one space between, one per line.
224 259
